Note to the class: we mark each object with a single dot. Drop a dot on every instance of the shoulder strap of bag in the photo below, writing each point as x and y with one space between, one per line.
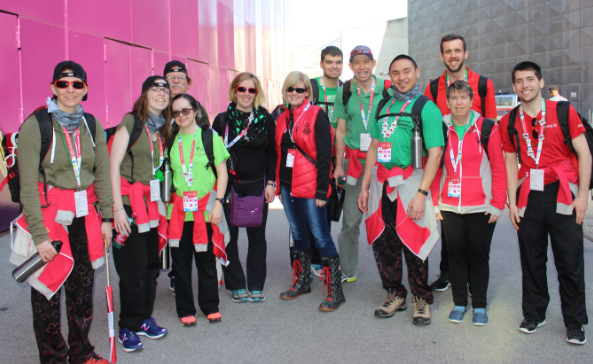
315 89
434 89
483 92
513 133
347 93
207 136
485 132
562 109
46 129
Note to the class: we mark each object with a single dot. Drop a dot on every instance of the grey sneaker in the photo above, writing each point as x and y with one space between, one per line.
392 305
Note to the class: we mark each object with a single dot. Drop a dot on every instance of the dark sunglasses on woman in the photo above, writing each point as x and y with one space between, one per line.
244 89
182 111
79 85
298 90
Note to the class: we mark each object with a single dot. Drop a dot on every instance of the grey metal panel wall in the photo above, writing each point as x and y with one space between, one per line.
556 34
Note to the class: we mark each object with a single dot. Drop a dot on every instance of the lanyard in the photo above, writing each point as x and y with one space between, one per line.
331 113
455 162
296 124
238 137
388 132
368 116
75 157
542 127
162 154
189 177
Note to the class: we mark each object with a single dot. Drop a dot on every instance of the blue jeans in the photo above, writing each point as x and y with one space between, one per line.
303 215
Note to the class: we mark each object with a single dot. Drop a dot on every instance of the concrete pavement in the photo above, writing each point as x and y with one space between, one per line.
297 332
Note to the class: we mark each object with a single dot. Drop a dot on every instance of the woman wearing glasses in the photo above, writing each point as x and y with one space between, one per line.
137 153
247 130
72 183
196 228
303 143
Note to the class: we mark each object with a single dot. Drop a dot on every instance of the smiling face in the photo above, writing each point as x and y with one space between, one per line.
245 99
332 66
69 98
158 100
178 82
183 121
527 86
294 98
453 55
459 102
404 75
362 66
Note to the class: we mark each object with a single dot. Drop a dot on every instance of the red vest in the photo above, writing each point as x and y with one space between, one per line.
304 173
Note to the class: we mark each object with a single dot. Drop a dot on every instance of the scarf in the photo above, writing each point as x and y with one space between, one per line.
237 121
408 95
154 122
68 121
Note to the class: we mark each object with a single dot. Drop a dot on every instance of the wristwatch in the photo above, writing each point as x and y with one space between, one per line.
221 200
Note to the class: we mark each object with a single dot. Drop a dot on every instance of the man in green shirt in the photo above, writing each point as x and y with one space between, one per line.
352 141
399 209
325 87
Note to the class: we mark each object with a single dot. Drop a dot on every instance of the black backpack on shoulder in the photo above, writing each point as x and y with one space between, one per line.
482 91
316 100
347 92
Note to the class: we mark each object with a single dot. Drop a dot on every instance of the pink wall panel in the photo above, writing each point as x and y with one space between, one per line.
185 28
12 113
141 69
226 56
199 78
208 36
214 108
250 44
160 60
119 95
267 57
90 16
42 47
224 80
51 11
239 40
89 51
150 24
227 3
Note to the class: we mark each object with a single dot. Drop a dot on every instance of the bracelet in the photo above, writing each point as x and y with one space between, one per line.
423 192
118 210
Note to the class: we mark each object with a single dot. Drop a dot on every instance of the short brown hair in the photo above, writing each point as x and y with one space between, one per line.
450 37
460 86
554 88
260 97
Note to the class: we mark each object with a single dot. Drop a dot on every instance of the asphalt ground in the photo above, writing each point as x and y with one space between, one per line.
297 332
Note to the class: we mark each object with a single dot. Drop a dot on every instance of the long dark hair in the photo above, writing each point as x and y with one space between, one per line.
141 108
201 114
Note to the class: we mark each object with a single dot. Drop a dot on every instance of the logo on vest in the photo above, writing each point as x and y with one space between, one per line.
307 129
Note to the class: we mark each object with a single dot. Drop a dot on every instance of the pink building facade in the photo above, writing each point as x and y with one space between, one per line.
121 42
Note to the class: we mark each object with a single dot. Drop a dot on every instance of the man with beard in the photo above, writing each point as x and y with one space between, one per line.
399 210
547 196
453 54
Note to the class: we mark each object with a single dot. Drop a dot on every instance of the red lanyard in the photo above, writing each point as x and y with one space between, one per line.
387 132
294 127
542 127
76 160
365 119
188 176
161 156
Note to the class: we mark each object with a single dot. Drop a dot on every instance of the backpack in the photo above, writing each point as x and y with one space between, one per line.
46 129
485 132
482 91
316 100
562 111
136 132
347 92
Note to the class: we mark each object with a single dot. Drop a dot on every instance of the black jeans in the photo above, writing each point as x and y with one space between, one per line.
388 250
207 276
566 237
79 307
234 277
138 265
444 265
470 237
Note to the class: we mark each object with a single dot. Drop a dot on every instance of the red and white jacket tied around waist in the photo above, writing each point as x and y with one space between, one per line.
420 235
56 218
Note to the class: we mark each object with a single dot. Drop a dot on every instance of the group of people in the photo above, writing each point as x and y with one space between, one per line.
408 160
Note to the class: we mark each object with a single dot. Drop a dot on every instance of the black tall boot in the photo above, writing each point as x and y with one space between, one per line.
332 282
301 283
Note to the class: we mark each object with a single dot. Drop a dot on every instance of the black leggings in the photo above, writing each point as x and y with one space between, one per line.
469 237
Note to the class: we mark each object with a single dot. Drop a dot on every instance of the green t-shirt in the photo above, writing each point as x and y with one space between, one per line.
352 115
462 129
203 178
401 139
331 96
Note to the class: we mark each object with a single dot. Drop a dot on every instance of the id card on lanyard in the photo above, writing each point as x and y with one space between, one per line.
331 112
155 186
454 187
536 175
75 152
189 176
238 137
365 138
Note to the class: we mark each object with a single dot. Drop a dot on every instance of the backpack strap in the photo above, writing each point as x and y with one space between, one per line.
434 89
136 132
91 122
46 129
315 89
207 135
483 92
513 133
347 93
417 115
485 132
386 85
562 109
380 107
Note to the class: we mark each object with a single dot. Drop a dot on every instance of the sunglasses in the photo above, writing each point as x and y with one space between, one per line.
182 111
79 85
160 87
534 132
245 89
298 90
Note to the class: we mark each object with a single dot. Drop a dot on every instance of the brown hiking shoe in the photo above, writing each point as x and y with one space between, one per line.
392 305
421 315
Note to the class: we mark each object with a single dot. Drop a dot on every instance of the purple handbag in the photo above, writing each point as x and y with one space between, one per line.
247 211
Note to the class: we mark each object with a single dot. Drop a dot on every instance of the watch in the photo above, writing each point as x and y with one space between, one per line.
221 200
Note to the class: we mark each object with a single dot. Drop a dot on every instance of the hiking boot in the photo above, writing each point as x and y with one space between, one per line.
529 326
331 276
96 359
421 316
129 340
576 335
256 296
150 329
392 305
301 283
442 283
239 296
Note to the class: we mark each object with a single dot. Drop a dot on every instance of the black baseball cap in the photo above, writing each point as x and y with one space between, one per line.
155 81
175 66
77 71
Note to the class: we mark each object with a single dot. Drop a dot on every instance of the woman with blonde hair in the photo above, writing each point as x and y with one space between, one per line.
247 130
304 142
